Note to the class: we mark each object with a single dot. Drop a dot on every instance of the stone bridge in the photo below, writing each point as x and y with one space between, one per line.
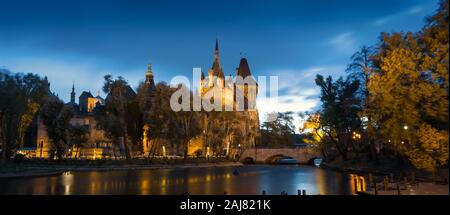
267 155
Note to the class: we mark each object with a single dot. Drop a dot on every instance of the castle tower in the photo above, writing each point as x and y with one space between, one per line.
72 94
246 84
149 76
216 69
149 88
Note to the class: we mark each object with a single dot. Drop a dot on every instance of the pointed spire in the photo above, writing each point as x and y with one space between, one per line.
217 44
149 76
243 69
216 54
149 70
216 67
72 94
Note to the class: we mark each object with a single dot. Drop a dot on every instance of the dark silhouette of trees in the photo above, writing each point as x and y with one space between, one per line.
20 96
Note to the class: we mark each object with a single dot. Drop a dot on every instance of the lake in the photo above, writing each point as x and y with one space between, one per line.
242 180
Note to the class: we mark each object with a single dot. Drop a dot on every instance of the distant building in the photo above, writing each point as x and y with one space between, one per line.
97 146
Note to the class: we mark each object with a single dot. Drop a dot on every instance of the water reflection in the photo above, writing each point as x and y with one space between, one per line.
210 181
358 183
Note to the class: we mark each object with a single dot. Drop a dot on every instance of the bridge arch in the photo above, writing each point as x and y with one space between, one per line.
311 161
266 155
273 159
248 160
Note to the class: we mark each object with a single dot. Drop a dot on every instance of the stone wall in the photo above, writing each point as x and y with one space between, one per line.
263 155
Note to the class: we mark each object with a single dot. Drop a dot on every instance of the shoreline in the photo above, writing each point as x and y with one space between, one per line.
420 185
352 170
59 170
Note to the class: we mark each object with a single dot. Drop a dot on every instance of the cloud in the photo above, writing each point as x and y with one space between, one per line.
409 12
297 91
343 42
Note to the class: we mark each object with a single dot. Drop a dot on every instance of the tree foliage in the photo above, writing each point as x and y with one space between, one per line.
56 117
21 96
278 130
120 119
409 92
339 114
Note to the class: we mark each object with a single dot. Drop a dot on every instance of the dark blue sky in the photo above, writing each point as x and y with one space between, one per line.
82 41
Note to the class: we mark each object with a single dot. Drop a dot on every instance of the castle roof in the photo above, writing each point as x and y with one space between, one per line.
216 67
243 69
129 94
86 94
100 99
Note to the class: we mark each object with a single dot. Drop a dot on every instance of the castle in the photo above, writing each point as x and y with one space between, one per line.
231 91
237 95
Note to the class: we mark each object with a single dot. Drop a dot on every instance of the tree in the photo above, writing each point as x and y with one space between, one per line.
188 123
313 132
339 113
221 129
278 130
21 96
213 131
112 126
78 136
160 122
118 118
361 68
409 92
230 122
56 118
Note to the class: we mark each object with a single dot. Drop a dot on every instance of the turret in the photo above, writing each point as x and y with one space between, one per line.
72 94
216 69
246 84
149 75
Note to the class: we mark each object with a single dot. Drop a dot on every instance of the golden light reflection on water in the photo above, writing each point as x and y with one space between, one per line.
249 180
144 187
67 180
358 183
321 182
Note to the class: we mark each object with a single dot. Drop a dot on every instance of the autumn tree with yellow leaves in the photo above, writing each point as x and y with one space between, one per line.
402 101
408 92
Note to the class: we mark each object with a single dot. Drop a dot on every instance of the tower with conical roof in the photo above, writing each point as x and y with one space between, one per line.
246 85
72 94
149 75
215 74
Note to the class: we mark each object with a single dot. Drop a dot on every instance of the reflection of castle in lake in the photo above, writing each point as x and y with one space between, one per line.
99 146
251 180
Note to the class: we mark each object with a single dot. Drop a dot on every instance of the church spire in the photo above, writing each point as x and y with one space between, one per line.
149 77
216 54
72 94
216 67
149 70
149 74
